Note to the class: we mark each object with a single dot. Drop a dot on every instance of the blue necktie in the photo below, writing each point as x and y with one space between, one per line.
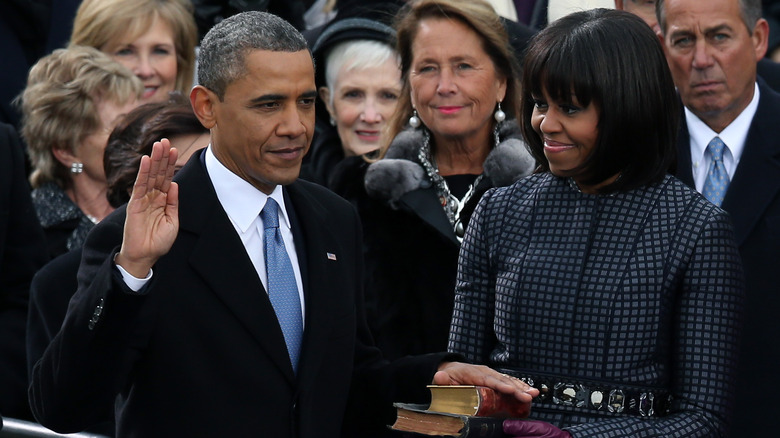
717 178
282 289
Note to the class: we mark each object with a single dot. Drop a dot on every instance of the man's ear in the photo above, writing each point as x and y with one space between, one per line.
203 103
760 38
660 36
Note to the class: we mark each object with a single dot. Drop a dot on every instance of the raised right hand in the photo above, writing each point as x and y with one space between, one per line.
152 221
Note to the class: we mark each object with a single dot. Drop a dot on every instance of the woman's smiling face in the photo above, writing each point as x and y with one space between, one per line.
569 132
454 84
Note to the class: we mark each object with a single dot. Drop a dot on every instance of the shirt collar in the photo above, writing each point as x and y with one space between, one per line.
242 201
734 135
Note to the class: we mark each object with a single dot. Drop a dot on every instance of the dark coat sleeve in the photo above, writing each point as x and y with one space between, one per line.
50 291
74 384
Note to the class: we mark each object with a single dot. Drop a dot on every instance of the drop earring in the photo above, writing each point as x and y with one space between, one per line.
76 167
414 121
499 115
332 121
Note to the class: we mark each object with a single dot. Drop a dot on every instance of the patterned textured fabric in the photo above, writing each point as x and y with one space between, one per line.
58 215
282 289
642 288
717 178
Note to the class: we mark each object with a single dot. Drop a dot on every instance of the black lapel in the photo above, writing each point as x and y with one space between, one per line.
425 204
313 242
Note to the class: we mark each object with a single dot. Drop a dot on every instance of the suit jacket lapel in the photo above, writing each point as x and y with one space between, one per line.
757 179
425 203
220 259
308 217
684 169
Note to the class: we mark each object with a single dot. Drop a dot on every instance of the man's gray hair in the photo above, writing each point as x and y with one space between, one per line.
222 56
750 10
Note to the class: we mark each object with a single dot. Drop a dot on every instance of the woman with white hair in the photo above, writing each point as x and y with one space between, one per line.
359 84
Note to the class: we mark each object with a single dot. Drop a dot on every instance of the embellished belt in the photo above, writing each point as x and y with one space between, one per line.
594 396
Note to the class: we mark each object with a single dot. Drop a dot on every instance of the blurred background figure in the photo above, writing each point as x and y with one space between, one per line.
22 253
593 278
644 9
134 135
728 148
155 39
53 286
72 101
453 139
359 83
29 30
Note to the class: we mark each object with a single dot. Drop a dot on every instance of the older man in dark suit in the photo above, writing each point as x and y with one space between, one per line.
729 149
229 302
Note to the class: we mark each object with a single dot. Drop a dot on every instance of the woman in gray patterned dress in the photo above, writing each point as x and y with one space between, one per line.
601 280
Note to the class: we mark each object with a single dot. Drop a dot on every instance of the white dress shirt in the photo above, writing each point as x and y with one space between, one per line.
243 203
733 136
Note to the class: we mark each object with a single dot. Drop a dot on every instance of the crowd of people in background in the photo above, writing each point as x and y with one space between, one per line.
576 202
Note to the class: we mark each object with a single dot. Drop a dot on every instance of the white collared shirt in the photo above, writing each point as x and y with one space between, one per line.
243 203
734 136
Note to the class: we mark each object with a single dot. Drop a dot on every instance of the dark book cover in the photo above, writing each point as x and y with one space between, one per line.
418 420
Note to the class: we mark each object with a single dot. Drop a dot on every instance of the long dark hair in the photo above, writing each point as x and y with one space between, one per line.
612 59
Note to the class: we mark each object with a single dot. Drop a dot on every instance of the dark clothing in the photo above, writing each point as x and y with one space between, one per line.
753 202
29 30
210 12
411 249
64 224
323 157
22 253
640 288
200 352
769 71
50 291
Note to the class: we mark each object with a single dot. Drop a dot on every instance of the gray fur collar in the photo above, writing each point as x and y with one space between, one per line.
400 171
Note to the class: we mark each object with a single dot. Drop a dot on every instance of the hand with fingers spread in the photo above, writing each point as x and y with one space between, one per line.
533 429
458 373
152 221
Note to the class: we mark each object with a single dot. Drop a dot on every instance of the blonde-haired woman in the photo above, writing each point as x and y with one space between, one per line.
155 39
72 100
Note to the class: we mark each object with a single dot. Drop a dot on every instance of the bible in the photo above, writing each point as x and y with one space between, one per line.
462 411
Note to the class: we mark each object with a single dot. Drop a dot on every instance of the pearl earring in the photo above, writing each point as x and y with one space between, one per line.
76 167
499 115
414 121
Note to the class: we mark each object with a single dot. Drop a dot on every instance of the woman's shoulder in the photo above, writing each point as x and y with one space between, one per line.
511 199
53 206
690 212
524 187
677 193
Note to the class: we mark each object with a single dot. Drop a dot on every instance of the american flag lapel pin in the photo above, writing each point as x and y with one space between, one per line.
331 256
